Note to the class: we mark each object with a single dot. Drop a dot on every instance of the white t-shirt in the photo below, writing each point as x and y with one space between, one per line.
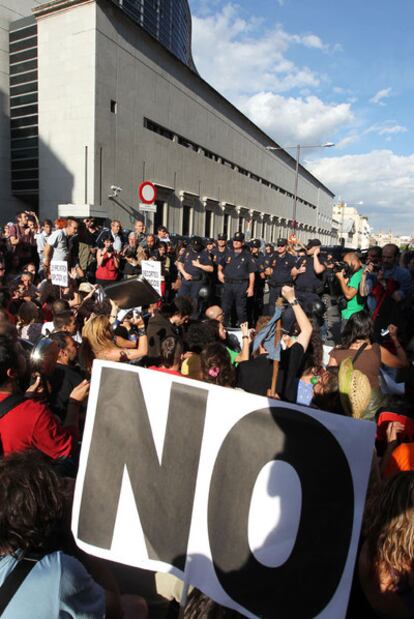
60 243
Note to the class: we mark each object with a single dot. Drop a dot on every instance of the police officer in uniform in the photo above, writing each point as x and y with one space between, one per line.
194 264
255 303
237 274
307 274
279 272
219 254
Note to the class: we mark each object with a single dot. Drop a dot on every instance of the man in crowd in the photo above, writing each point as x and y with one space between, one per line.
350 282
57 245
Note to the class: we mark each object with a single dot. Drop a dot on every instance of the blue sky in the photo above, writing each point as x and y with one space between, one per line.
317 71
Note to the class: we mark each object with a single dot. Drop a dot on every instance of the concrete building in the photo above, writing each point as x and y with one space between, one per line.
115 107
353 229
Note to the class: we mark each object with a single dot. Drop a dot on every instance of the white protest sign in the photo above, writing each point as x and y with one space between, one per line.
59 272
151 270
256 502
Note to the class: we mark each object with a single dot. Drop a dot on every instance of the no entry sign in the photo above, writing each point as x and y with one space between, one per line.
147 192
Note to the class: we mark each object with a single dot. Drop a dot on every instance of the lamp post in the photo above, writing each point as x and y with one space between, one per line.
298 148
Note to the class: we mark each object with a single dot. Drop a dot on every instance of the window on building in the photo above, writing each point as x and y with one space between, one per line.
207 225
226 225
241 224
186 220
158 215
114 106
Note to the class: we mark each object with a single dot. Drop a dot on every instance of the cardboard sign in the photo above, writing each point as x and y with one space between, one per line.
258 503
151 270
59 273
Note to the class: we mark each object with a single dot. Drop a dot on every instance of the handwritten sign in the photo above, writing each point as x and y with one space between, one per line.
59 273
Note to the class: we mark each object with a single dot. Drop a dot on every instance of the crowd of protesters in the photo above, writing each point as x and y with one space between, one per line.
249 316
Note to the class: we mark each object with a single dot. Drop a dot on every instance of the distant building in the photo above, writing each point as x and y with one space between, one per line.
383 238
352 228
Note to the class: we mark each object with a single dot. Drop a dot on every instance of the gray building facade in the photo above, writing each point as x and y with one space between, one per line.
115 107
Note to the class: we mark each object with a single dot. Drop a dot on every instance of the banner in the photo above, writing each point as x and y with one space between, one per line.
258 503
59 272
151 270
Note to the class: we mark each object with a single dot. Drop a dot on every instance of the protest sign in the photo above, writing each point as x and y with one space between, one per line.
258 503
151 270
59 272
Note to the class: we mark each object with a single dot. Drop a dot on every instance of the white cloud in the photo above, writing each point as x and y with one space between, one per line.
382 179
380 95
388 127
237 57
296 120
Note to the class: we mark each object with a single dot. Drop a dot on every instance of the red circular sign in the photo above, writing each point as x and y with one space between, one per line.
147 192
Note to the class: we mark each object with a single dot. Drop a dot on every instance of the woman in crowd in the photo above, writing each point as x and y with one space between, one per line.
357 343
167 322
385 575
98 342
108 263
34 533
216 366
29 325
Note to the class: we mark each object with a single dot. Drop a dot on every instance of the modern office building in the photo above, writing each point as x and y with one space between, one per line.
96 101
169 21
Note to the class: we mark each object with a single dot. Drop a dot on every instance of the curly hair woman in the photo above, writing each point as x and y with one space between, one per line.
216 367
386 561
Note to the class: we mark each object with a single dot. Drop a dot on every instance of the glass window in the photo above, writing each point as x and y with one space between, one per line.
25 164
158 215
23 99
25 143
24 44
30 185
24 132
207 224
24 122
28 54
22 67
24 33
23 78
24 88
186 220
25 153
26 110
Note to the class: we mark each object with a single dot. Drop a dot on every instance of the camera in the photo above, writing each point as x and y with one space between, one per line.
342 266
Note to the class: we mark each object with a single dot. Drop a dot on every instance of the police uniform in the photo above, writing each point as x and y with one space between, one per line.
308 285
191 287
219 257
255 303
237 268
281 276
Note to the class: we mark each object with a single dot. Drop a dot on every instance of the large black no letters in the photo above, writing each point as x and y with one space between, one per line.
305 583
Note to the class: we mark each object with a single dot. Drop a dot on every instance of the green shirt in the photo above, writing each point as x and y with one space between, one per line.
356 304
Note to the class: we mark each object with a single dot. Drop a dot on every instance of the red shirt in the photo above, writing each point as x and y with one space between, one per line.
32 424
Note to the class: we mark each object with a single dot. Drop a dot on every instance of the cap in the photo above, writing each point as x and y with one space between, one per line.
209 241
85 287
222 237
255 243
313 243
197 241
239 236
281 242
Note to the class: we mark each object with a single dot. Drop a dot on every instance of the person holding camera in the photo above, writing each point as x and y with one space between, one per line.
349 279
107 259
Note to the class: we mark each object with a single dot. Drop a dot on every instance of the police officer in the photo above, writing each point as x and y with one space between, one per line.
194 264
220 253
255 303
279 272
237 273
307 274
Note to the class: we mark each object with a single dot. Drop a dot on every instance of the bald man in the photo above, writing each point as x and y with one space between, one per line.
214 313
350 283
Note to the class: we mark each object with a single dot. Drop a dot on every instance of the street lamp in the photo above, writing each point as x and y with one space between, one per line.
298 147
